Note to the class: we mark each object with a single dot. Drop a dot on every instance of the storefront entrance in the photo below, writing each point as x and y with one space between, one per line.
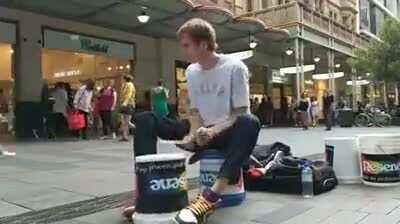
7 61
72 58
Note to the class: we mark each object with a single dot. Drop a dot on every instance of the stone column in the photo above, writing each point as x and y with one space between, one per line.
28 79
298 78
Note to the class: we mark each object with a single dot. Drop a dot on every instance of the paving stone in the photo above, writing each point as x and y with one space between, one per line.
312 216
345 217
243 213
107 217
48 198
7 209
282 214
383 206
392 218
69 222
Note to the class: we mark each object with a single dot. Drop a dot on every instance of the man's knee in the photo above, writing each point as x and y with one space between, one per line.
248 120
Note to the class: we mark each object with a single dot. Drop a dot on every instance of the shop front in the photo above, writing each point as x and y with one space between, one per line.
73 58
7 101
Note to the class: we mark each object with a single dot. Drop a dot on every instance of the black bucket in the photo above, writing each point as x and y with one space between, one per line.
161 183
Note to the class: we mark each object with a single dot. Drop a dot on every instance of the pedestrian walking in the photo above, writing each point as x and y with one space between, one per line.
328 109
270 111
107 101
304 106
284 110
159 99
83 104
127 107
60 107
315 110
262 112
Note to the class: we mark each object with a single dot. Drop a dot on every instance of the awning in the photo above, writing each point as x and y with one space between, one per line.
166 16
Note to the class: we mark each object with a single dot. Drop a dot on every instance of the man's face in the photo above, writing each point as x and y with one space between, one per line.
191 49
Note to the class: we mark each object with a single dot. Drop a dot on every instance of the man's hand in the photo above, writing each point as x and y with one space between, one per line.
204 136
188 143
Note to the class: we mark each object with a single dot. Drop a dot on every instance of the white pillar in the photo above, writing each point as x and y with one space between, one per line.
396 90
28 62
302 84
298 90
354 88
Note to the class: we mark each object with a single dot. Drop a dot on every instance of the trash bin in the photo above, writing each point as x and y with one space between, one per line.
345 118
380 159
161 188
210 164
342 154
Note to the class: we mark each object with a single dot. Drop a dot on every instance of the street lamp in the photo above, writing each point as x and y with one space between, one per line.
252 42
317 59
143 17
289 51
338 65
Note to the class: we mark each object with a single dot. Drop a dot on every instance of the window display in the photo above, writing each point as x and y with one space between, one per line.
7 41
182 93
73 58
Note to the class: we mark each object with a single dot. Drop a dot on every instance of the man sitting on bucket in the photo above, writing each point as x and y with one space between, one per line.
218 88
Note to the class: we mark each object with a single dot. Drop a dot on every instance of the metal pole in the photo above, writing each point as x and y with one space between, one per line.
396 90
298 91
354 88
329 70
385 102
332 76
302 84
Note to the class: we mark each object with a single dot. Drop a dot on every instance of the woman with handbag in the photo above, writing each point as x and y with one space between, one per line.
83 104
127 107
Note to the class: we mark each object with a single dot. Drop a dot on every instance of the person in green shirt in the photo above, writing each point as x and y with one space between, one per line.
159 99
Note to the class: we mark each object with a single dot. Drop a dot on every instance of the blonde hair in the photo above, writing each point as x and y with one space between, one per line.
199 30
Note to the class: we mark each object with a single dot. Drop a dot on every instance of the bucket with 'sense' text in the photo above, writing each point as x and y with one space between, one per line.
161 184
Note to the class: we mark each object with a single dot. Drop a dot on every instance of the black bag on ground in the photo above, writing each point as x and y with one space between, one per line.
286 177
263 154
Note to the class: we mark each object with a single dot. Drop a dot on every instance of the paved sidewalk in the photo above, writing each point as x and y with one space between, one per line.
44 175
347 204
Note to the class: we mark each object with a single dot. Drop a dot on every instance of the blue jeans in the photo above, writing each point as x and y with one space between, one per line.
236 143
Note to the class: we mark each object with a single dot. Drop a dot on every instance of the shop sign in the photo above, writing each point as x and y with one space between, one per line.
242 55
90 45
278 78
87 44
67 73
7 33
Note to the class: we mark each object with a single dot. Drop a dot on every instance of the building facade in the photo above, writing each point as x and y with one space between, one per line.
302 46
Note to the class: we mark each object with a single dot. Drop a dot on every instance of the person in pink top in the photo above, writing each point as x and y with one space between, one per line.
106 104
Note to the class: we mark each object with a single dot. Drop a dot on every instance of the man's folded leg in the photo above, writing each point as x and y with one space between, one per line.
237 144
149 127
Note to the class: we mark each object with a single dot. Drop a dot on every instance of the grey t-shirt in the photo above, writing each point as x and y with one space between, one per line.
215 92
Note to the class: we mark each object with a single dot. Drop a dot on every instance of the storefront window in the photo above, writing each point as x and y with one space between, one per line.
73 67
6 88
182 94
73 58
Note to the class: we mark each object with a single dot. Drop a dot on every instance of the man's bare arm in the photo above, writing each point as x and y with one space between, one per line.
196 121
